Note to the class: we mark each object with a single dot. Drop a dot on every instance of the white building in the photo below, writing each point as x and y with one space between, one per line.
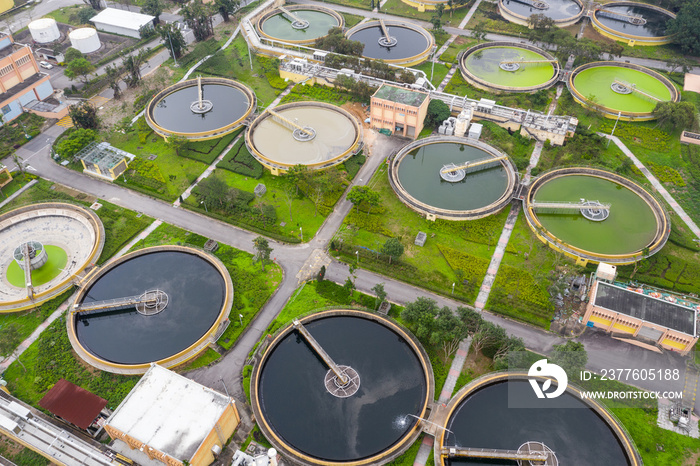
122 22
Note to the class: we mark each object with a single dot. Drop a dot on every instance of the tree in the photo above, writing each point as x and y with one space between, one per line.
540 22
263 250
571 356
71 54
438 111
440 9
198 17
79 67
85 14
451 6
381 294
479 31
321 273
363 195
132 66
177 143
683 63
392 248
686 28
448 331
95 4
485 334
114 75
676 114
509 345
437 23
84 115
420 315
172 39
153 8
70 145
349 285
213 191
471 319
336 42
226 7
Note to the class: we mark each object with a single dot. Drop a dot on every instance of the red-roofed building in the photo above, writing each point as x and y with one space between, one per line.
75 406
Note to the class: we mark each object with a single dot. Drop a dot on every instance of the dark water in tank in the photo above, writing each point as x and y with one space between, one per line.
576 434
558 9
409 43
300 410
196 294
173 111
654 27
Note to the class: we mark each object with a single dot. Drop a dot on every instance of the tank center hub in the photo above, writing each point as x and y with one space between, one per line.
31 254
300 24
201 106
509 66
620 88
335 385
307 133
452 173
594 211
538 454
387 41
152 302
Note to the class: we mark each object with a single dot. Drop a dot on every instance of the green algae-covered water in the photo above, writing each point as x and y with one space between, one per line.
419 174
280 27
485 65
596 81
56 261
630 227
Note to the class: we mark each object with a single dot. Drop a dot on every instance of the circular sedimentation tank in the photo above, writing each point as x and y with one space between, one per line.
309 422
314 134
563 12
621 89
277 25
62 241
416 175
501 412
637 223
509 67
634 23
172 112
407 44
160 305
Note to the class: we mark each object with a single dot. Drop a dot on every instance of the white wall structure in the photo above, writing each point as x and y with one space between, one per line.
125 23
84 39
44 30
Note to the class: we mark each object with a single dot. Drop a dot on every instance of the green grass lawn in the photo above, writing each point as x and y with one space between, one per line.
487 13
457 45
173 174
252 287
439 71
399 8
19 180
67 15
425 266
351 20
204 359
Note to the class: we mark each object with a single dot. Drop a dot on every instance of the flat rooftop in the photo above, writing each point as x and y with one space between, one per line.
169 412
122 18
645 307
400 95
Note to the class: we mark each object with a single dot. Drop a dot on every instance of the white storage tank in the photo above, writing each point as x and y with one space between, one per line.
44 30
85 40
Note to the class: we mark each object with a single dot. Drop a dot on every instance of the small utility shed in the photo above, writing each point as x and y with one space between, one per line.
74 405
122 22
173 419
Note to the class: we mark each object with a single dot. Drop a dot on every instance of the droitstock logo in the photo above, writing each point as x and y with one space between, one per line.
542 368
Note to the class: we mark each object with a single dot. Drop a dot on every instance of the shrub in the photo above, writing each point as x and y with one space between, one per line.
239 160
76 140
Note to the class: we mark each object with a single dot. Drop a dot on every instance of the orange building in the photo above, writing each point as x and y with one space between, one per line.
400 110
22 84
643 317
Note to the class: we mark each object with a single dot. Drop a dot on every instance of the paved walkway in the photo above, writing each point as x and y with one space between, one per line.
455 369
497 257
469 15
447 78
656 184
